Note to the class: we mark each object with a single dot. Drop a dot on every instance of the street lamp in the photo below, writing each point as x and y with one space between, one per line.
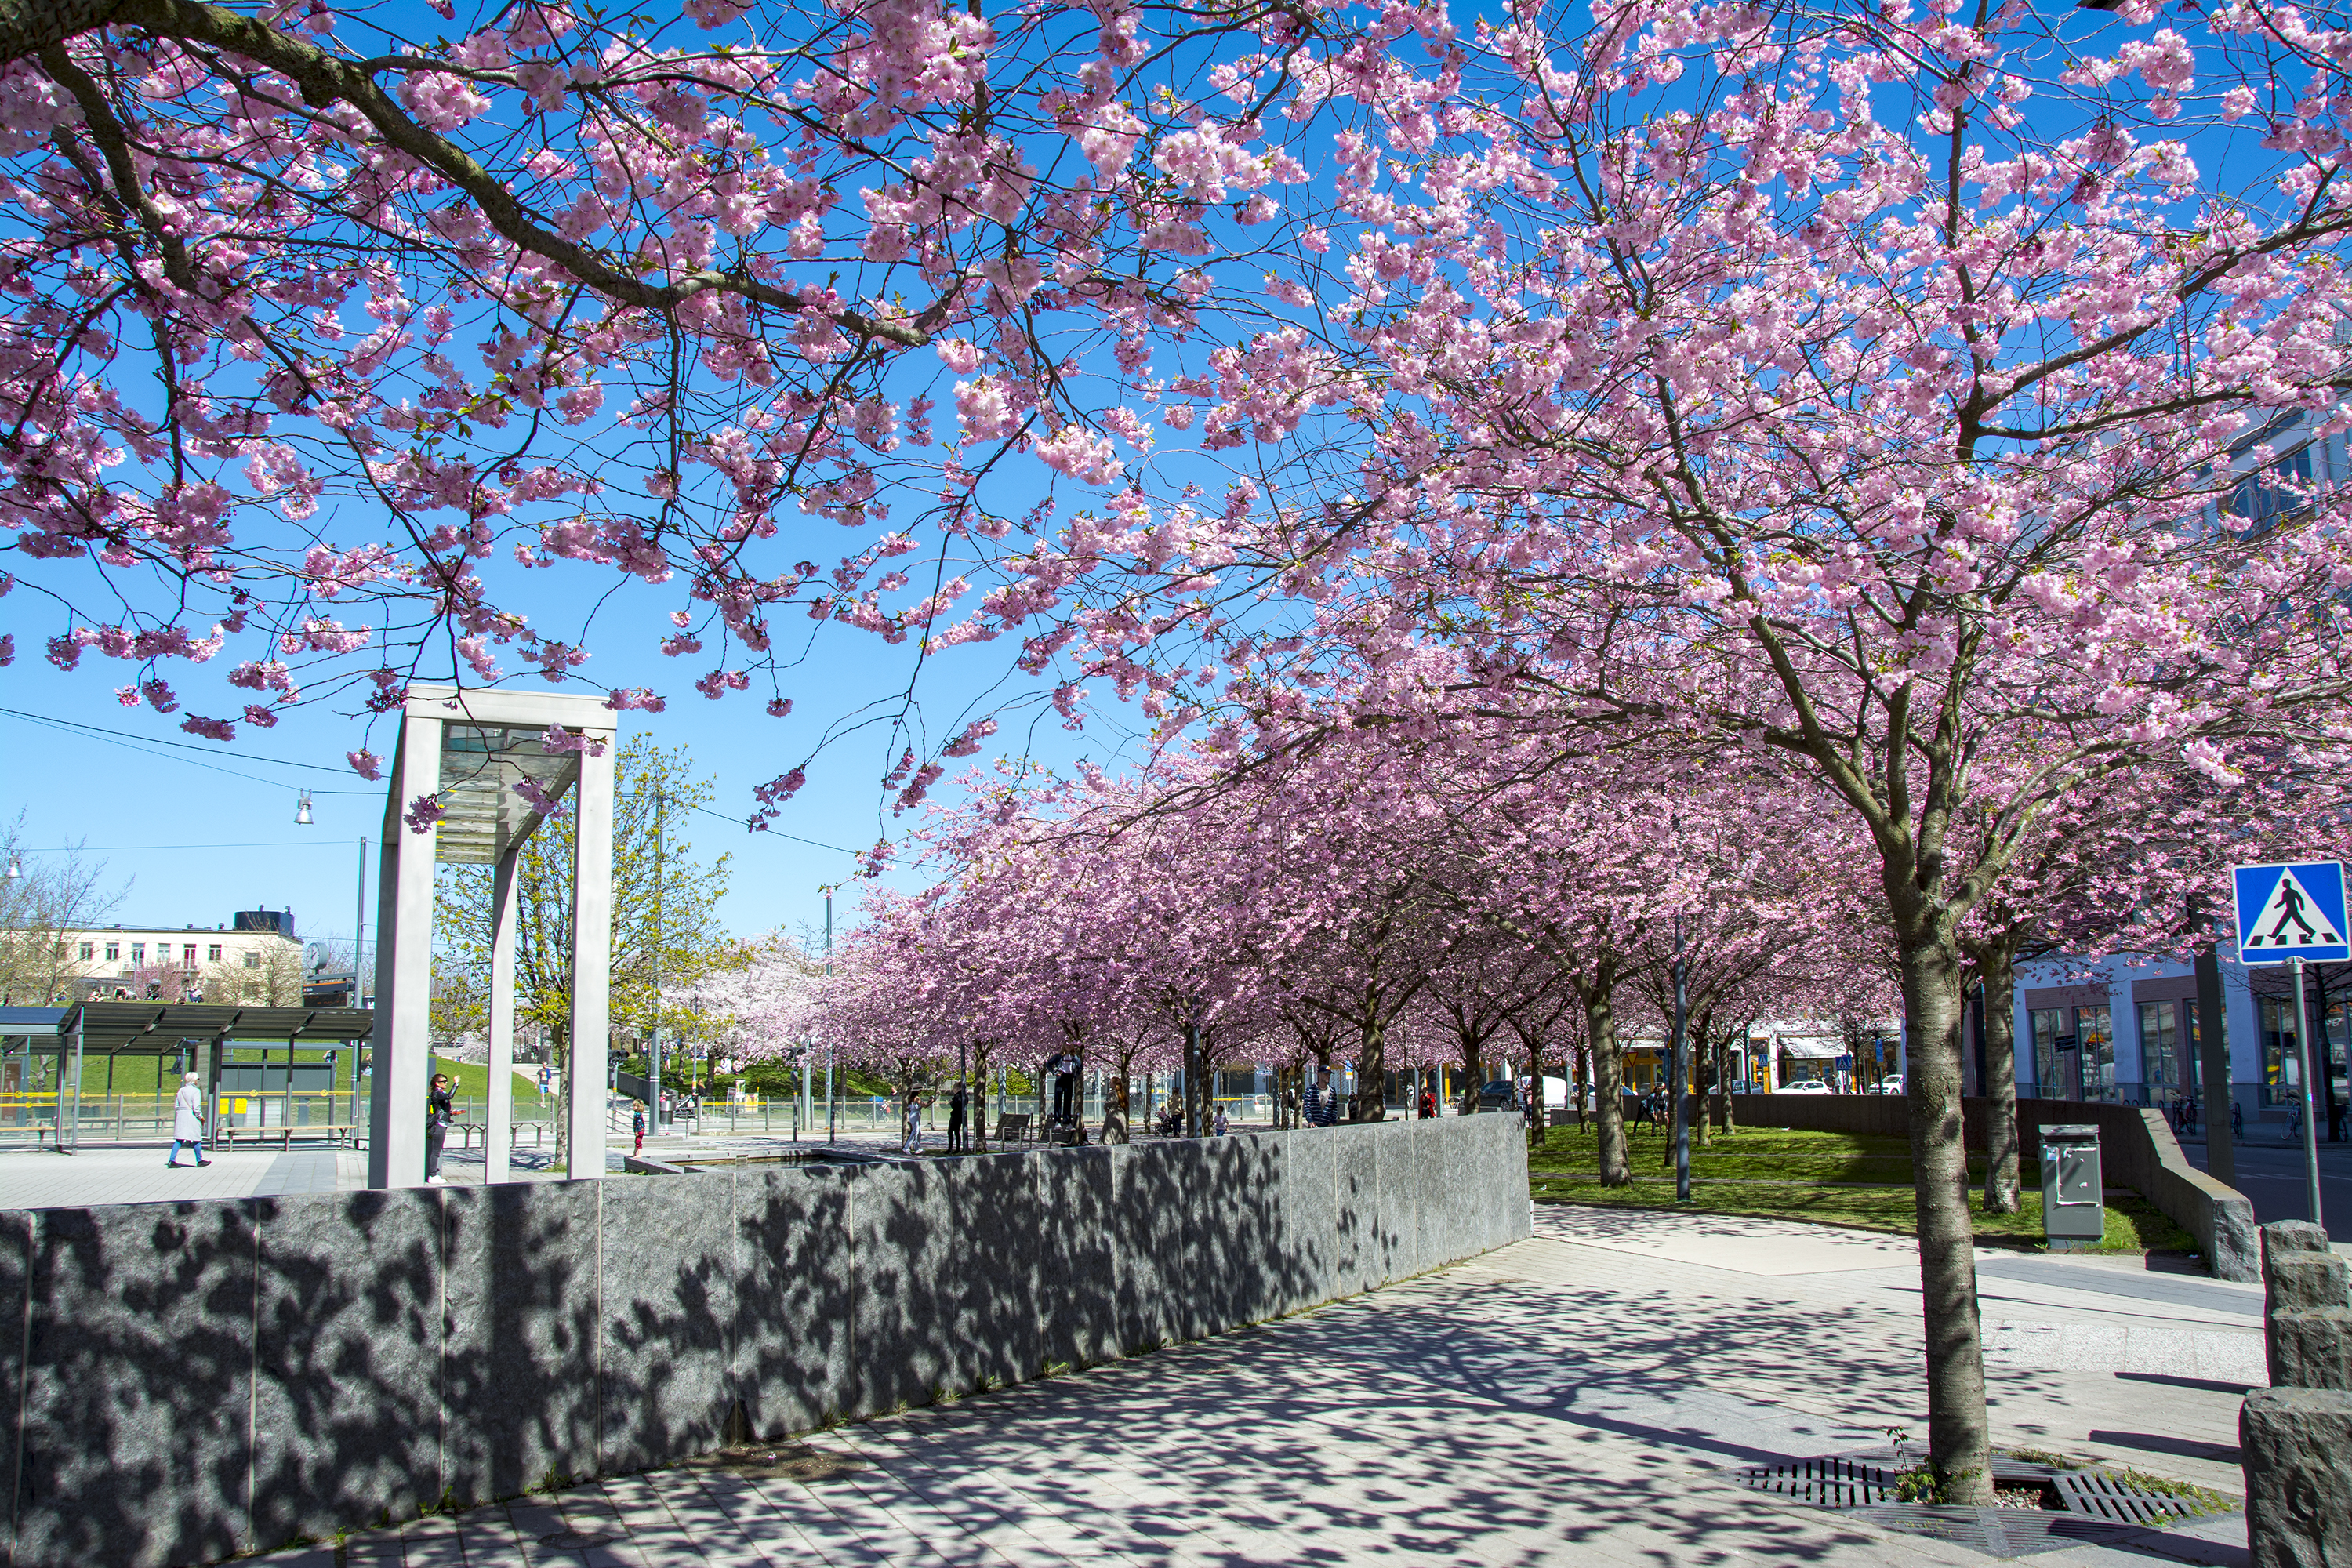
15 867
302 810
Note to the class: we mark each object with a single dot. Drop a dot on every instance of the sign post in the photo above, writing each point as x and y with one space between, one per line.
2291 914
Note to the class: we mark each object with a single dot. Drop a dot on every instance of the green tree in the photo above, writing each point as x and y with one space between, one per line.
665 904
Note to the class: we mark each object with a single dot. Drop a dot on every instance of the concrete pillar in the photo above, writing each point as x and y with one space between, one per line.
403 975
498 1135
591 956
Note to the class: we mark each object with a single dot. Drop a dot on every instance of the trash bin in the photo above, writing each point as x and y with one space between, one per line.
2073 1216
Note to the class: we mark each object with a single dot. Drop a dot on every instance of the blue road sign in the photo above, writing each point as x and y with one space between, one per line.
2295 911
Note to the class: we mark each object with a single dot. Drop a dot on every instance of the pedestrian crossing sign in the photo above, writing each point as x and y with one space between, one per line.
2294 910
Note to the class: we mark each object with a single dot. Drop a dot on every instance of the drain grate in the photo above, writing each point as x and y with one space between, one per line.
785 1461
1832 1482
2102 1496
1997 1532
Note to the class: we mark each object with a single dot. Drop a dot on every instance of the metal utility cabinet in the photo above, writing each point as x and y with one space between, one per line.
2073 1215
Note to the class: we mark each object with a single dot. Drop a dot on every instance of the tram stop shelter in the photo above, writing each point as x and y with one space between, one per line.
198 1033
472 754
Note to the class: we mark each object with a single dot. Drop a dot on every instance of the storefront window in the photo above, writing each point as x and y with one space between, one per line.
2048 1081
2282 1052
2096 1047
2159 1052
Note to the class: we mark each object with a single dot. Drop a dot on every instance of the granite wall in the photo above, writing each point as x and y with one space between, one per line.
192 1380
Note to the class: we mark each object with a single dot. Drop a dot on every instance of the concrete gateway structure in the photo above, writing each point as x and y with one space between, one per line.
474 776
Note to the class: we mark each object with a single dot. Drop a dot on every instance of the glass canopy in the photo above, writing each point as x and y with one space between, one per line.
482 815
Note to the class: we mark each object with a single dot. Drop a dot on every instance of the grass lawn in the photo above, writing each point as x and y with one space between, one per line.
1830 1178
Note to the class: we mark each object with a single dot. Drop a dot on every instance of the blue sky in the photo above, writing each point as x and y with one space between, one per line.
197 842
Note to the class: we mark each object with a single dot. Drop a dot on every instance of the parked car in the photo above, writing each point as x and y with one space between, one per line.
1500 1095
1805 1086
1891 1084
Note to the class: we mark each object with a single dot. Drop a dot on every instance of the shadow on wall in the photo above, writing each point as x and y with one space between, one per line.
199 1379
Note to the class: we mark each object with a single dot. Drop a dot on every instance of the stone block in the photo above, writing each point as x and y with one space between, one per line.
945 1297
1077 1307
2233 1242
520 1316
2294 1443
1397 1236
1514 1216
667 1276
2294 1236
1357 1253
794 1297
2303 1283
137 1443
2309 1349
1309 1172
347 1369
16 1244
1453 1196
1163 1197
1237 1234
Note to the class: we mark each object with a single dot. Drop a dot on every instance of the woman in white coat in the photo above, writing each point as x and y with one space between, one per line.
188 1123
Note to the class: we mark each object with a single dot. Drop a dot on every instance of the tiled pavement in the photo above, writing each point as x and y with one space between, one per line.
1576 1398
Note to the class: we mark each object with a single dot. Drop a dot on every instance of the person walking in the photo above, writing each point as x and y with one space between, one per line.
1221 1125
913 1142
440 1111
637 1125
188 1123
959 1140
1428 1103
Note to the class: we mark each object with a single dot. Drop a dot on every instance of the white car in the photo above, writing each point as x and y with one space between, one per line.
1891 1084
1805 1086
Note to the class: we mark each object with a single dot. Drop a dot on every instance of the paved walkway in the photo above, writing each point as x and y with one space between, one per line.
1575 1399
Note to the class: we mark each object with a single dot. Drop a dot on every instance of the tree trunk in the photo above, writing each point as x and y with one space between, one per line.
1601 1033
1997 965
1958 1436
1578 1061
1722 1070
1372 1074
1473 1072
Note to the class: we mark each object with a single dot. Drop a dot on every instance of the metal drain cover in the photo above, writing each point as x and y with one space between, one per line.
1997 1532
575 1540
786 1461
2104 1496
1834 1481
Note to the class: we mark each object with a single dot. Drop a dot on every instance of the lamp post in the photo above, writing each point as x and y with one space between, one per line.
652 1034
1681 1071
830 1113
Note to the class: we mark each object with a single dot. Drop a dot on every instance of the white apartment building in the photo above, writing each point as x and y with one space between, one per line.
247 958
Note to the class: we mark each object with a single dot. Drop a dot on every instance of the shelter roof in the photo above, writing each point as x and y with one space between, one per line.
157 1029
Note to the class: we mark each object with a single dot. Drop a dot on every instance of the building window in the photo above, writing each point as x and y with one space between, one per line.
2048 1081
137 953
2282 1052
211 953
188 955
2160 1063
2095 1035
89 950
252 959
